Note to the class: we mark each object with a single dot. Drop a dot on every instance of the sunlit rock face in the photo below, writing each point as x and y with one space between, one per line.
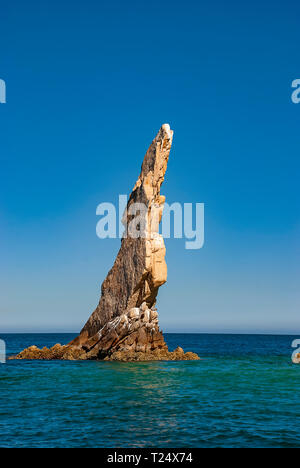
124 326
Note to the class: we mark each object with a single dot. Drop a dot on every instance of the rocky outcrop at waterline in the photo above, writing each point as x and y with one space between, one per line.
124 325
60 352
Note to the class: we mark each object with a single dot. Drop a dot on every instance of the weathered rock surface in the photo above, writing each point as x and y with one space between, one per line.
124 326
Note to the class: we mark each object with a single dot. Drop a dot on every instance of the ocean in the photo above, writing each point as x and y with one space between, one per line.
243 393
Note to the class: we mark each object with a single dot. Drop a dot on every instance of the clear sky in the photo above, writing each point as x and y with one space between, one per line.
88 85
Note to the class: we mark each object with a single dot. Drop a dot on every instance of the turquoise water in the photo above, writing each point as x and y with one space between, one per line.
243 393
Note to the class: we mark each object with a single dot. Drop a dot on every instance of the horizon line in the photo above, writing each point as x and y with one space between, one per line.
166 333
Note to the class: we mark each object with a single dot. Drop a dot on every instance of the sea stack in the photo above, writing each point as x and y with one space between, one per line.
124 325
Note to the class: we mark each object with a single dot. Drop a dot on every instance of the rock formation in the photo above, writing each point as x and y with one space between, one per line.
124 326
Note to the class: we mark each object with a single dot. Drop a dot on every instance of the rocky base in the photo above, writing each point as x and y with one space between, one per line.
158 355
134 336
55 353
134 331
59 352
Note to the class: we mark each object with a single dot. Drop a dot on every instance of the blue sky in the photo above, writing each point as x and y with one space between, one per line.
88 86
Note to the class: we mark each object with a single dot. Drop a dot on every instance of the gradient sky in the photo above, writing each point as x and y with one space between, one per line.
88 86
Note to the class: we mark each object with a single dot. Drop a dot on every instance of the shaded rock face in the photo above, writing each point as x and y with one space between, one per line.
124 326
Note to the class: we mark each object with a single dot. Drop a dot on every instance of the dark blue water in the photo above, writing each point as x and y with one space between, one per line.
243 393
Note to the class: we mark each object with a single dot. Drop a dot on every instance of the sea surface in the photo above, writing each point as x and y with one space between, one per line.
245 392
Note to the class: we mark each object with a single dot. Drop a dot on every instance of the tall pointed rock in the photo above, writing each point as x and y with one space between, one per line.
130 288
124 326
